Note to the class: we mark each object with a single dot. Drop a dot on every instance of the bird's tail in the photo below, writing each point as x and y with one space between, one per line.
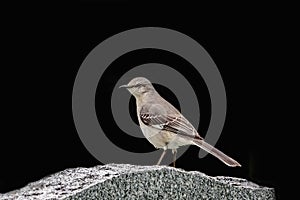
217 153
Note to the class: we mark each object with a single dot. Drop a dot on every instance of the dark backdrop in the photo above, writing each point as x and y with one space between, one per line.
44 46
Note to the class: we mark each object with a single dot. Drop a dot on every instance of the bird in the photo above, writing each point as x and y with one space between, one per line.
164 126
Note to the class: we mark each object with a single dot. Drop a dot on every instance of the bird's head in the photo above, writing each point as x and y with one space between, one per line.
139 86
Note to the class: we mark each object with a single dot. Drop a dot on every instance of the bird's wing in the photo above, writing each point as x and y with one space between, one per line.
175 123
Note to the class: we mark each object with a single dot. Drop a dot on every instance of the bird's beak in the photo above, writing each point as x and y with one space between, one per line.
123 86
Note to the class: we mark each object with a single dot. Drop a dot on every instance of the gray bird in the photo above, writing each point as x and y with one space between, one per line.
164 126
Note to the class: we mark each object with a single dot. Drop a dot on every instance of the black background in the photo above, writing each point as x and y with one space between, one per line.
44 46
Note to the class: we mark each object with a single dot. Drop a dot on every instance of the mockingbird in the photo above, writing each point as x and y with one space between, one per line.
164 126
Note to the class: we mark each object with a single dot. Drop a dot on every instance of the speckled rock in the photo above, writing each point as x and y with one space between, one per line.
123 181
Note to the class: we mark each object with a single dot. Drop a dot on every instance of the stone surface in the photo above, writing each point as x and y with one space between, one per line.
123 181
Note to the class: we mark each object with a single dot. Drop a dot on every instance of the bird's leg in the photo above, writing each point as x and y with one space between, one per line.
161 157
174 152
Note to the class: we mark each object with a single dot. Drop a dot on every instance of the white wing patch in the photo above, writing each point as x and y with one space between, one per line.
176 124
